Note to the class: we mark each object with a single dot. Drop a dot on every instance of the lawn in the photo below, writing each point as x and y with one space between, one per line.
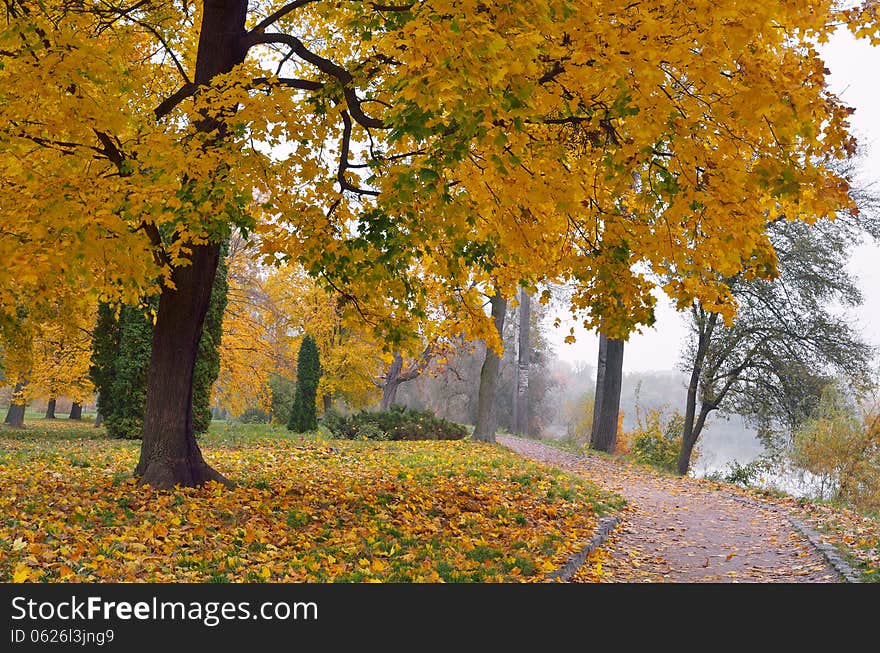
305 509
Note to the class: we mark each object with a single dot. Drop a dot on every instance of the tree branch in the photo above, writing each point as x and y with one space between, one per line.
325 66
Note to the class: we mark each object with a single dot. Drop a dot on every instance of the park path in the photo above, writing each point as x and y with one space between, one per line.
685 530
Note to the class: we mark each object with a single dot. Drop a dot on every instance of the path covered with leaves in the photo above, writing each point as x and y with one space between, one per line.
685 530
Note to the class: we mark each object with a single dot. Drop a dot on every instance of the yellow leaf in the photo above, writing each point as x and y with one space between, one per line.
21 574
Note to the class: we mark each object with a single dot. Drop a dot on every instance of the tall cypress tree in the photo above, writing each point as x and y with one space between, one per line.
105 349
303 415
128 388
208 360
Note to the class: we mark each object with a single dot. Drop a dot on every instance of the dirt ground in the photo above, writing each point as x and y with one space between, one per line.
684 530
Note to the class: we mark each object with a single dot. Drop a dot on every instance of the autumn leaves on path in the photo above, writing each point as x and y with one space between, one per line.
685 530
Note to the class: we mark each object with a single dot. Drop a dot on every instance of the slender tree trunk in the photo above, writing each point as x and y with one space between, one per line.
692 428
50 409
690 439
484 431
169 452
15 414
521 400
609 377
392 382
328 402
99 419
76 411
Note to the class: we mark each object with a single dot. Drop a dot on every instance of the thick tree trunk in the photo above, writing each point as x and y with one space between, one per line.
521 400
609 376
15 414
50 409
99 419
76 411
169 452
392 382
484 431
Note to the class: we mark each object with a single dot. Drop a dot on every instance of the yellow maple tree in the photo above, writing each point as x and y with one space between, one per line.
405 152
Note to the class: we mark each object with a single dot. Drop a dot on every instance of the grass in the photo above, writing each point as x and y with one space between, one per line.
306 509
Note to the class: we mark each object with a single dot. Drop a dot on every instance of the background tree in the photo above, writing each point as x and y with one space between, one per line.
606 405
788 338
523 353
303 413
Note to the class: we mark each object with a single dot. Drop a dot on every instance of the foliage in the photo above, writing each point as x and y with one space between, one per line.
283 391
842 447
539 90
303 413
253 416
579 417
398 423
391 512
656 439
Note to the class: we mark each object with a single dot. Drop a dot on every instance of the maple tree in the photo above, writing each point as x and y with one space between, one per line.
377 144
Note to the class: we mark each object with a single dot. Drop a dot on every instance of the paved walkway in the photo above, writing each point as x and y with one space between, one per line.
685 530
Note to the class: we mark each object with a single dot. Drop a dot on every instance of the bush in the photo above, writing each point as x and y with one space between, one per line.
745 475
254 416
656 441
841 446
395 424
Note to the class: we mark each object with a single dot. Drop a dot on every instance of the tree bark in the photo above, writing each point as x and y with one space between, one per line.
328 402
76 411
169 452
15 414
99 419
609 377
690 440
50 409
521 400
392 382
484 431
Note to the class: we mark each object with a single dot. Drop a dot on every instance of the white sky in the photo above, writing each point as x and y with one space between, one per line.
854 66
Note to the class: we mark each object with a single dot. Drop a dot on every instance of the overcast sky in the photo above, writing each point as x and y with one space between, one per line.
854 68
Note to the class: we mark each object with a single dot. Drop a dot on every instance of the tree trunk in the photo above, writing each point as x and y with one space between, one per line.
690 440
691 429
50 409
328 402
484 431
76 411
609 377
521 400
15 414
392 382
169 452
99 419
